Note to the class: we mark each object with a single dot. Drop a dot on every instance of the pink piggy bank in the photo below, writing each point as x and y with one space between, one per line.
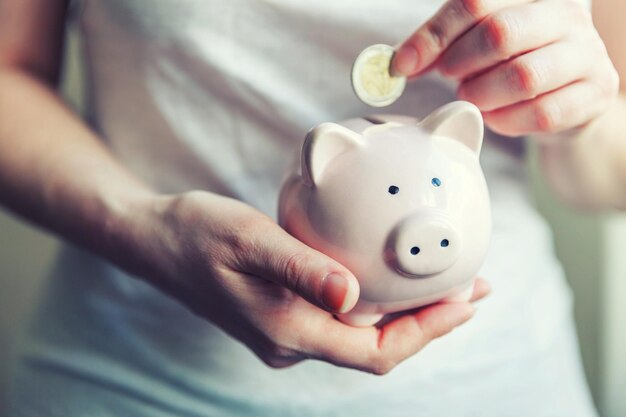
402 203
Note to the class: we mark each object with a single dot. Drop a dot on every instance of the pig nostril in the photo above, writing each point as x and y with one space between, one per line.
445 243
415 250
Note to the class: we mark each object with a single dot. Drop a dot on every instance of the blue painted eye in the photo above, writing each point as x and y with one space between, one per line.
394 190
436 182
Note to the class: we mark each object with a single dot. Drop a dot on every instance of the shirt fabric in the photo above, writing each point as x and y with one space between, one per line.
217 95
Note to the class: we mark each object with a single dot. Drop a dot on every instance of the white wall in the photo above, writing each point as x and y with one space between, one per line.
613 315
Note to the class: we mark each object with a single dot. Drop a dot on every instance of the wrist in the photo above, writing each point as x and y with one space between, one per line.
123 228
585 165
156 237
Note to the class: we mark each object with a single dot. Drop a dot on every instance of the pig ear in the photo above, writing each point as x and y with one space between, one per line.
458 120
322 145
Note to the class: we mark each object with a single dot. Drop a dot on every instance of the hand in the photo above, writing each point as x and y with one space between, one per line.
530 66
235 267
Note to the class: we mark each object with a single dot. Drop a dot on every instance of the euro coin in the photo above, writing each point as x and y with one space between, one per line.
372 81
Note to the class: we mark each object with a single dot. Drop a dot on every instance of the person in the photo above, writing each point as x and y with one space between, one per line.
178 294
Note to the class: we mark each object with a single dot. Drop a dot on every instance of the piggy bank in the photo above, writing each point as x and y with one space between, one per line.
402 203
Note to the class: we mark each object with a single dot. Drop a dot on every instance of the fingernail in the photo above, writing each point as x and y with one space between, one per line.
334 292
405 60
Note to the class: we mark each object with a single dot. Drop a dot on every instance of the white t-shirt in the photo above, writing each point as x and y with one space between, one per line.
217 95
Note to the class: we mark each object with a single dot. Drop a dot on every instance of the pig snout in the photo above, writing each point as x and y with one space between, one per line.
423 244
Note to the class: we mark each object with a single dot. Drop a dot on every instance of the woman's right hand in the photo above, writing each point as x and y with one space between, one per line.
235 267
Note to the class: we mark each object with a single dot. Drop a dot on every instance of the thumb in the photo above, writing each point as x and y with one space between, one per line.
317 278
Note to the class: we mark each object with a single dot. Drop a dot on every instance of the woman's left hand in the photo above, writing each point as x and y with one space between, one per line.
530 66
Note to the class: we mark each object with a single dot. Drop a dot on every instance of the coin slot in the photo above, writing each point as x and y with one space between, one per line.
374 120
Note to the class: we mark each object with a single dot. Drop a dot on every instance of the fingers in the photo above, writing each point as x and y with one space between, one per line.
481 289
435 36
518 60
409 334
370 349
526 77
379 350
280 258
505 34
565 108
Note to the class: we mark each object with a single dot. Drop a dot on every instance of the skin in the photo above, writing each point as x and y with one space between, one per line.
224 260
540 69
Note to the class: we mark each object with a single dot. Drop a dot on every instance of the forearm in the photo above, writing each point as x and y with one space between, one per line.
54 170
586 167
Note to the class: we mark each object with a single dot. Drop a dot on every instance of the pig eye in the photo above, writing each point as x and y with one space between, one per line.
435 182
393 189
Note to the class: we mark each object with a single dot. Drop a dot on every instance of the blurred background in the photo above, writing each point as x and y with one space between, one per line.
592 249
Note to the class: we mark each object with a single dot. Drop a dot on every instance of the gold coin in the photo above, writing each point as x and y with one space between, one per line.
371 80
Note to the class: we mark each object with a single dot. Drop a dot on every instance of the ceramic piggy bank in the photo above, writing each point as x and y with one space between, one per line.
402 203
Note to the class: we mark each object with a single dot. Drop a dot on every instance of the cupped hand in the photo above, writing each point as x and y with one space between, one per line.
235 267
530 66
